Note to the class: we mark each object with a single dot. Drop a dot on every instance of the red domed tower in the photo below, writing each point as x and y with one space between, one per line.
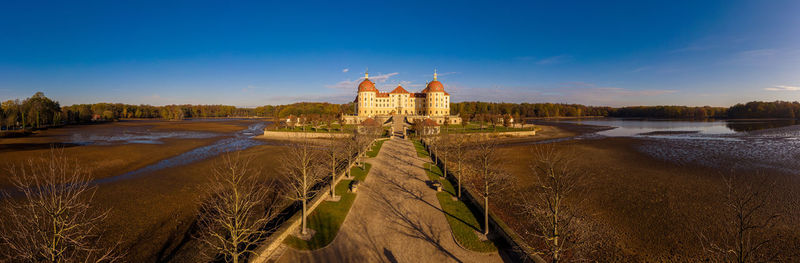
366 96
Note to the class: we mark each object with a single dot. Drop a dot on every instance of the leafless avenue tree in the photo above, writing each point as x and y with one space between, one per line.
487 177
745 235
236 208
50 217
433 146
301 171
444 150
364 141
351 152
551 203
334 149
458 145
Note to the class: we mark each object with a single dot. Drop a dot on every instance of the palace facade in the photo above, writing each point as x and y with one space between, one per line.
433 103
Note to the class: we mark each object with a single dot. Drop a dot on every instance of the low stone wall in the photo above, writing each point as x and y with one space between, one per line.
280 135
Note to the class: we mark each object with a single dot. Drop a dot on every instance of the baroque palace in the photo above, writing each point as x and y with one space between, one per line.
432 103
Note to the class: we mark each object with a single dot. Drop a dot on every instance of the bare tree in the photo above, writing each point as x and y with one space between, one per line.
433 145
487 177
365 142
236 208
333 150
51 217
745 234
352 150
445 148
301 170
458 146
464 121
553 201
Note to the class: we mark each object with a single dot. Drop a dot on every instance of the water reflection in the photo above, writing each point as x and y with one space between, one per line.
679 128
745 126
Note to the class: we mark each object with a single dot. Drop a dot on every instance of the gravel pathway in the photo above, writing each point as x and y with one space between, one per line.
395 218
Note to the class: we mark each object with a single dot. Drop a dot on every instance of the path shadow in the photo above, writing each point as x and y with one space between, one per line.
406 223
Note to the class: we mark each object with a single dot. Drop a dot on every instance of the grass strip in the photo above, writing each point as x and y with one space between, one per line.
463 220
421 152
328 217
375 149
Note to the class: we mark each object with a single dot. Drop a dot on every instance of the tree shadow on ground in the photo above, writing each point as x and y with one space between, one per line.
405 223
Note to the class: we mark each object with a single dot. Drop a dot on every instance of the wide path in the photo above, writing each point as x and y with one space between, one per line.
395 218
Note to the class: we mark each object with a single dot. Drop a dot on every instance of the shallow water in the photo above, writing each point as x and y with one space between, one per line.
136 135
241 140
670 128
750 145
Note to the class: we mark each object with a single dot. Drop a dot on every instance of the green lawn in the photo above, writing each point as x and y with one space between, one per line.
421 152
463 221
328 216
375 149
336 128
475 127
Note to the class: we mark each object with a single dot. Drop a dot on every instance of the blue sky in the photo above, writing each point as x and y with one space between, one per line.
247 54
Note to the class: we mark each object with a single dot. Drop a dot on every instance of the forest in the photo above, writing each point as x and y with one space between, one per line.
39 111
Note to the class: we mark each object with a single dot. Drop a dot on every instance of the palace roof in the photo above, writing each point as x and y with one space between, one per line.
429 122
367 85
434 86
399 89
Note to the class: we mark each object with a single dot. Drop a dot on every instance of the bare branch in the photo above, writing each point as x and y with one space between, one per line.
50 217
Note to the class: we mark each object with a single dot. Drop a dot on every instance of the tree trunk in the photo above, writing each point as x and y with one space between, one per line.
349 165
459 179
333 178
303 219
486 213
444 165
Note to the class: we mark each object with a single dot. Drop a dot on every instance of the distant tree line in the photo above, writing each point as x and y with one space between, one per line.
754 109
39 111
670 112
473 108
35 112
304 108
759 109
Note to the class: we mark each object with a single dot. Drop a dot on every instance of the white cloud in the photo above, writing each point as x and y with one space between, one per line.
555 60
447 73
763 57
248 88
548 60
352 84
345 70
382 78
783 88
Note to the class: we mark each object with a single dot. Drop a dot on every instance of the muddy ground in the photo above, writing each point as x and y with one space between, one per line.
644 209
150 214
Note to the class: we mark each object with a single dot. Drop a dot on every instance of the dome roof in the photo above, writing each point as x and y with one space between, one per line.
367 85
434 86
